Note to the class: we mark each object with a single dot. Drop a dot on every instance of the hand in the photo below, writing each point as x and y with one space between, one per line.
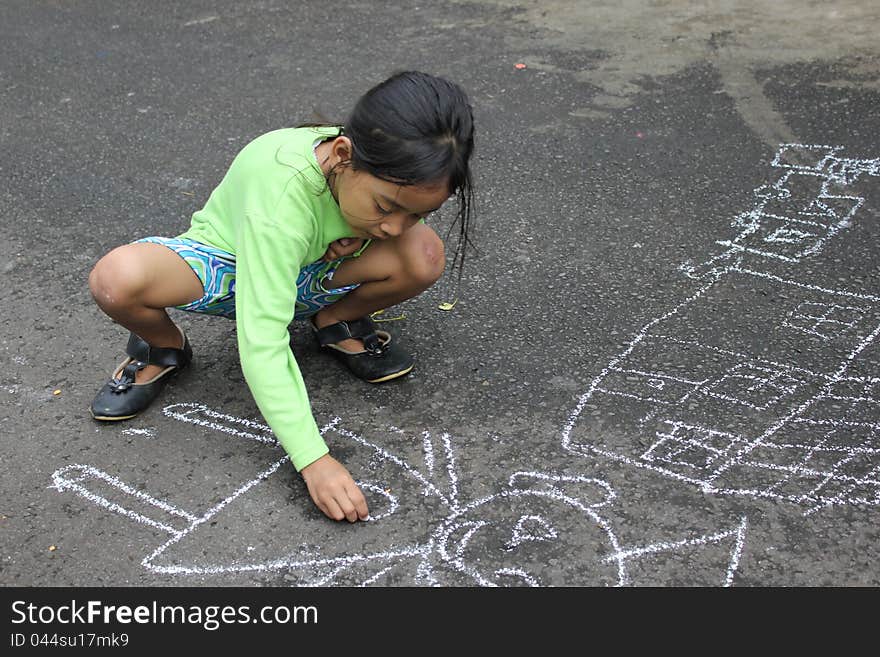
334 491
342 247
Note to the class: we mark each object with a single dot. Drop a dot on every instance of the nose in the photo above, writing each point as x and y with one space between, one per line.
394 225
391 228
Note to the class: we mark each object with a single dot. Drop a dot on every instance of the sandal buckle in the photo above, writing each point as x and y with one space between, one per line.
127 377
373 345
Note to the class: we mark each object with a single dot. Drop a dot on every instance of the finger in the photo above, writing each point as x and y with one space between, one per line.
347 507
322 507
360 502
333 510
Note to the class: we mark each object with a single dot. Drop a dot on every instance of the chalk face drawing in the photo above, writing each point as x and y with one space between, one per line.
765 380
537 529
507 539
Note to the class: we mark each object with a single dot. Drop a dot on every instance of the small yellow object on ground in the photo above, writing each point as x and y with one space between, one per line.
375 318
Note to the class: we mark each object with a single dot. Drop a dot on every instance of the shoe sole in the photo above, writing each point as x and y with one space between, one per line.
391 376
107 418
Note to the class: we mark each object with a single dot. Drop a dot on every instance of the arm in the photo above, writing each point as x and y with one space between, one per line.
265 300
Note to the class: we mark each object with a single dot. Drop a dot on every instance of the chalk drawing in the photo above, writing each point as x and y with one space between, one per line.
716 388
738 533
538 529
132 431
824 320
795 216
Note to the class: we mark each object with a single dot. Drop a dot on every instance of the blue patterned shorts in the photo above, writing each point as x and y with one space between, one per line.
216 269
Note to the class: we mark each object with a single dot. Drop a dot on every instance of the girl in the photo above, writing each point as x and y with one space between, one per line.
299 208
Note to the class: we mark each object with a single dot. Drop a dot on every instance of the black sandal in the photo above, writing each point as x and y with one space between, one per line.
121 398
379 361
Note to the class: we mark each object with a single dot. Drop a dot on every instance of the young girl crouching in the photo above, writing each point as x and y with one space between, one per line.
319 222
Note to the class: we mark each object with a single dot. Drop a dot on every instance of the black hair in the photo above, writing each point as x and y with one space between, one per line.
412 129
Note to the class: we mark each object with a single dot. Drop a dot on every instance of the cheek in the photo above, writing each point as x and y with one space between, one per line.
354 207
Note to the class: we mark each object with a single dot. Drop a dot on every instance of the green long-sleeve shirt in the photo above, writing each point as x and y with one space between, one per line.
274 211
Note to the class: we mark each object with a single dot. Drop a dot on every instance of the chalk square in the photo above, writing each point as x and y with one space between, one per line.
803 157
697 449
753 386
751 477
647 386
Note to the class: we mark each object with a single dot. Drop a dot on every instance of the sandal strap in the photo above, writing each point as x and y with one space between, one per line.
138 349
333 333
126 377
362 329
356 328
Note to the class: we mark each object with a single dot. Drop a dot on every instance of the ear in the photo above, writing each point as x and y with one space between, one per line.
340 150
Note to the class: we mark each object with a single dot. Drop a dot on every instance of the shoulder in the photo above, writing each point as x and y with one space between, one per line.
287 154
266 145
281 160
296 146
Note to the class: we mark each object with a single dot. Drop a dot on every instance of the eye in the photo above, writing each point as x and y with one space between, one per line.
381 210
531 528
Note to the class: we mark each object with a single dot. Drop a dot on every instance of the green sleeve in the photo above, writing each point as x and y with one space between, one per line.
267 265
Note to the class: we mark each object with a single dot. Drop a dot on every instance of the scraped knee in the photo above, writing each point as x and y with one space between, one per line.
424 257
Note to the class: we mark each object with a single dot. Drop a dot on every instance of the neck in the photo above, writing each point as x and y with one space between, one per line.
322 153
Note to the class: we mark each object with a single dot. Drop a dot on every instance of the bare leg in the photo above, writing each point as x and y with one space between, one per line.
134 284
389 272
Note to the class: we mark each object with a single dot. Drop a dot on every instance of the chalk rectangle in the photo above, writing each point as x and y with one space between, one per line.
118 497
754 386
647 386
803 157
693 450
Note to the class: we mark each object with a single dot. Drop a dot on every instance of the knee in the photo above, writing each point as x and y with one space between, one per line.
424 258
114 281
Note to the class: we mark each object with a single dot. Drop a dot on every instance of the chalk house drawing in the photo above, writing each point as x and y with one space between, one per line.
762 382
540 529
